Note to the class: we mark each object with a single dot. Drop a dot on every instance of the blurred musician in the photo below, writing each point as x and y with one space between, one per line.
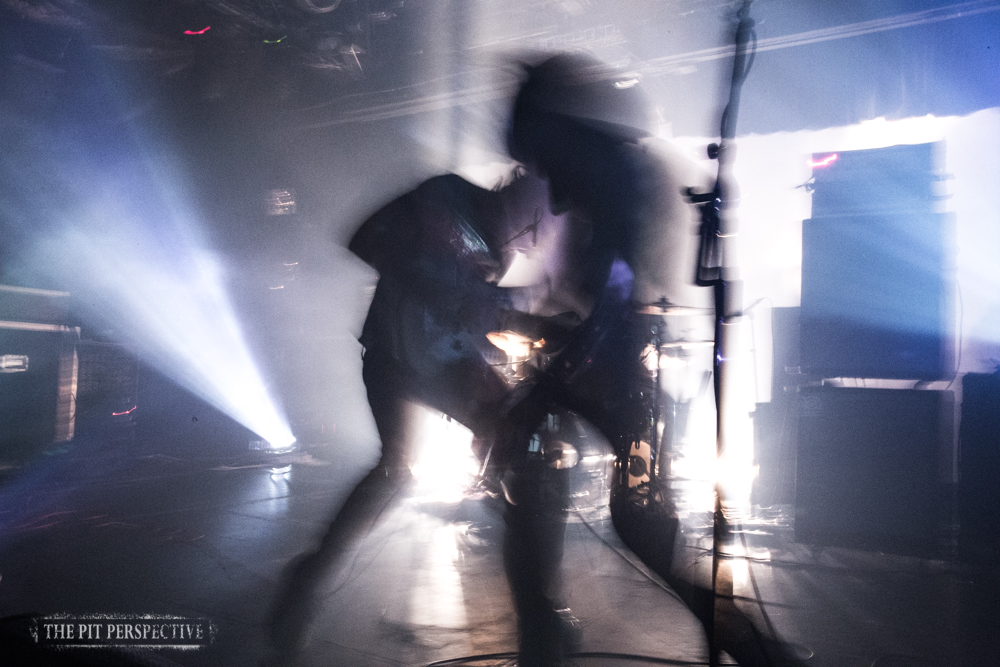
587 130
439 250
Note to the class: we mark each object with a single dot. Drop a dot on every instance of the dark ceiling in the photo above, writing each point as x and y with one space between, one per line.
327 62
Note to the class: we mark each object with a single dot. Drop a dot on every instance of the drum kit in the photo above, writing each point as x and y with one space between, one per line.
565 440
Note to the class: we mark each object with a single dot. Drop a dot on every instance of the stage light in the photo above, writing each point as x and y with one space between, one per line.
261 445
171 306
445 467
198 32
134 248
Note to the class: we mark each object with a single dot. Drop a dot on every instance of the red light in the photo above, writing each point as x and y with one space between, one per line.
198 32
825 162
119 414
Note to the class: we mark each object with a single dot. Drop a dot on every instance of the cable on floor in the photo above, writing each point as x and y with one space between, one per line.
628 657
631 562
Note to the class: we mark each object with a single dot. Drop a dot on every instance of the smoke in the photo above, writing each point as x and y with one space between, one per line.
131 245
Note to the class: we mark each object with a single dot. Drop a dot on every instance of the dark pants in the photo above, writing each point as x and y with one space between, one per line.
468 393
299 588
607 384
533 550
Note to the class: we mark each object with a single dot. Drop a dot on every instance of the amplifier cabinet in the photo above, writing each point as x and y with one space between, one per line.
867 472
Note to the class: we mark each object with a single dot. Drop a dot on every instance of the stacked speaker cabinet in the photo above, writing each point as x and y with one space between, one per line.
877 303
38 368
878 267
867 468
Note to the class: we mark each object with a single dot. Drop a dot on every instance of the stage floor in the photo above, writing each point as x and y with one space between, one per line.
93 528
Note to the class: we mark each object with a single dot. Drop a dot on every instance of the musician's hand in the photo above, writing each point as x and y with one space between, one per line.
551 332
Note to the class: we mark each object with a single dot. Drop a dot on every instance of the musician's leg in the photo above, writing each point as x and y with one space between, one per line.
648 525
535 516
301 582
533 551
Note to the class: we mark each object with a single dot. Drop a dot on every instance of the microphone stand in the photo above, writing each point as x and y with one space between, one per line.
715 271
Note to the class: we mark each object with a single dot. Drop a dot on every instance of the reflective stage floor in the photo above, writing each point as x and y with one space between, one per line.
132 529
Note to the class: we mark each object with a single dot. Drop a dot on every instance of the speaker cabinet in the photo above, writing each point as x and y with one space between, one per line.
878 269
979 466
878 180
37 374
867 468
876 302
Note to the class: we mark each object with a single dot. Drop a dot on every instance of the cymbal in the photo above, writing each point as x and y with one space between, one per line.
688 344
664 307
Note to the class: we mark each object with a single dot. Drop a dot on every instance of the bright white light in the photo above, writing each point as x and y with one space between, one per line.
698 461
627 83
741 571
271 447
181 321
164 294
437 598
597 458
525 270
445 466
771 168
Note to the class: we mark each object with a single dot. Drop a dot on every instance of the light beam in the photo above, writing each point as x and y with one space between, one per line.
134 247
